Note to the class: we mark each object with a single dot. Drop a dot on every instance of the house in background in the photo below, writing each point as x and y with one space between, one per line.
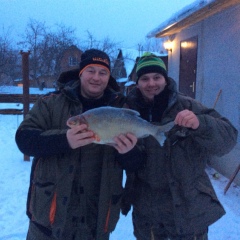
71 58
204 55
124 68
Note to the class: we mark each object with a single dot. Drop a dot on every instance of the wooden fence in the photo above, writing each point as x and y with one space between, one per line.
15 98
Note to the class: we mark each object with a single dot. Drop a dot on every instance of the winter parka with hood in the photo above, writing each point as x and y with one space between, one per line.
176 171
56 166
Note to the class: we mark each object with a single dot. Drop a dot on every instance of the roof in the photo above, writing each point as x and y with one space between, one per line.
129 83
191 14
129 58
121 80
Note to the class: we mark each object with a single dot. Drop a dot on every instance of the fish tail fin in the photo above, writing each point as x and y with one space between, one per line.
160 135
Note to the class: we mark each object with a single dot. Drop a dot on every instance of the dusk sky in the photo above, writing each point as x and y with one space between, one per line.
124 21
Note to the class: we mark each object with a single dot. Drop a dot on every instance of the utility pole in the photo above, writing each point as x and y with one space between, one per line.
25 77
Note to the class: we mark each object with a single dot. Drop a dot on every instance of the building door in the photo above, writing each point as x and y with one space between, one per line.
188 66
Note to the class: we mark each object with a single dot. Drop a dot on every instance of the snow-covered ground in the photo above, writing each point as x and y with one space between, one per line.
14 180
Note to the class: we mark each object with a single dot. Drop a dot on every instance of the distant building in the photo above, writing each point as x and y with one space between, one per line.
124 68
71 58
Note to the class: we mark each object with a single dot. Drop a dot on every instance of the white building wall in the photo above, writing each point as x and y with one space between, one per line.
218 67
218 63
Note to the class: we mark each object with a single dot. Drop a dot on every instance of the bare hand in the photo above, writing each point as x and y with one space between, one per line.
125 143
187 119
79 136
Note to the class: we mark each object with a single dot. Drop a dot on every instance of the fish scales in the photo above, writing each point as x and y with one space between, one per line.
108 122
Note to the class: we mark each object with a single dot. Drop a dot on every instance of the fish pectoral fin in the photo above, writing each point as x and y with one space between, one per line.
97 138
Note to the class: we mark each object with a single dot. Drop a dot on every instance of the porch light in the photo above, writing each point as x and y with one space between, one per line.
168 45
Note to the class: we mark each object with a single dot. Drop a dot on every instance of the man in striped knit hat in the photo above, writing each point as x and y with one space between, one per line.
171 195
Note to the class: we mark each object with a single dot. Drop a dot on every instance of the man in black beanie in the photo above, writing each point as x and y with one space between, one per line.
92 56
171 195
75 185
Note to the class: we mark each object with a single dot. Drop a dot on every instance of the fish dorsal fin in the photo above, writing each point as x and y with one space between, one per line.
131 112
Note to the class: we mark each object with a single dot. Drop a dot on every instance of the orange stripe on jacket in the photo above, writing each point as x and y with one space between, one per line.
53 209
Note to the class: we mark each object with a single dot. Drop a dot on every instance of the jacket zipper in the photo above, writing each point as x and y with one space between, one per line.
150 115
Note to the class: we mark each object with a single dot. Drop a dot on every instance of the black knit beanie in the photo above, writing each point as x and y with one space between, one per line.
150 63
94 57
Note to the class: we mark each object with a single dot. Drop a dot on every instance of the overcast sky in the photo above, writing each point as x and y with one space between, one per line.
125 21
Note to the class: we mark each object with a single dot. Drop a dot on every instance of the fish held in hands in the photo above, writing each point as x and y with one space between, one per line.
109 122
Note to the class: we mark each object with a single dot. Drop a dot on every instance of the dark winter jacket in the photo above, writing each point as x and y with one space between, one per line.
173 176
60 173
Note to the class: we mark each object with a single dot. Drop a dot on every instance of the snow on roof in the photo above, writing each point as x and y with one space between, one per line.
129 83
178 16
19 90
120 80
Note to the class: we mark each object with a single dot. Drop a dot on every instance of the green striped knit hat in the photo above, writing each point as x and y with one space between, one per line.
150 63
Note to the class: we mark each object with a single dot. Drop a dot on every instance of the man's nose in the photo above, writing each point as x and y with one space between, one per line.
151 82
96 76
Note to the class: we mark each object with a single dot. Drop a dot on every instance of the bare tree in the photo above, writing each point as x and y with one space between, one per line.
46 47
46 59
34 35
8 58
107 45
152 45
63 38
52 47
91 41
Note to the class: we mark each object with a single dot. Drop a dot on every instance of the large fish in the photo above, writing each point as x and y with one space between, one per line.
108 122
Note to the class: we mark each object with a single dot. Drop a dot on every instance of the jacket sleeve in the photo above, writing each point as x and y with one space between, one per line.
41 144
36 136
215 133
